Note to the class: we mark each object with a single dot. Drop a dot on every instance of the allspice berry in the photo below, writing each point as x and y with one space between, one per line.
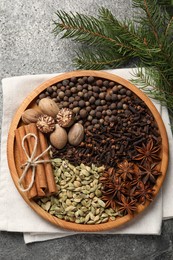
83 113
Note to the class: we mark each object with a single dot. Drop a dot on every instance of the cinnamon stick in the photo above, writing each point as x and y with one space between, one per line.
19 134
52 188
40 176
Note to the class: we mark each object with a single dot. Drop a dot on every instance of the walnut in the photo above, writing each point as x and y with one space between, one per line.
65 117
45 124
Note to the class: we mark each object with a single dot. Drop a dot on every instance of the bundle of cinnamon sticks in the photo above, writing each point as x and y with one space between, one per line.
44 183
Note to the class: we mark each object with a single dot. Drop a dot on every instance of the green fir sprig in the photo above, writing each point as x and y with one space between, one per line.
107 43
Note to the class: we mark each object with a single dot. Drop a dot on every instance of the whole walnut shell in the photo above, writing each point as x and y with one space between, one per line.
59 137
30 116
45 124
76 134
48 107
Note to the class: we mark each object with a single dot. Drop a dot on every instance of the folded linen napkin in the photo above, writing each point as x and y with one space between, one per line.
21 218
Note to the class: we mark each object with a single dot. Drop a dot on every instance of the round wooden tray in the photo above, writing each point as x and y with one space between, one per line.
13 157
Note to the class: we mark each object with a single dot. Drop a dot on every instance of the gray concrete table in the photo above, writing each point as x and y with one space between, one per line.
29 47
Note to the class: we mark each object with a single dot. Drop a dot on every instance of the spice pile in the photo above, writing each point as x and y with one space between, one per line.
90 123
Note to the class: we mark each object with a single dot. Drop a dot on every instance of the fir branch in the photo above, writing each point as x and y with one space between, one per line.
111 43
97 59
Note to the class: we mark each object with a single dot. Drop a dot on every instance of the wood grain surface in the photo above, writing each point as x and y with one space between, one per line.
13 156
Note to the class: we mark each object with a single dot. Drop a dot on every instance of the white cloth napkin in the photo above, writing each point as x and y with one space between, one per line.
17 216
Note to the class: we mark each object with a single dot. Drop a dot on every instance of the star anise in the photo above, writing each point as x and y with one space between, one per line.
147 153
107 175
129 190
110 202
113 189
149 172
127 205
144 193
126 170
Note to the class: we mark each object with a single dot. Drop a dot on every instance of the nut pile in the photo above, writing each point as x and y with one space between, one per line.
79 196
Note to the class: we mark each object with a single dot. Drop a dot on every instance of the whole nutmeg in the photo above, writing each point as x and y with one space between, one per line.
45 124
30 116
58 137
65 117
48 107
76 134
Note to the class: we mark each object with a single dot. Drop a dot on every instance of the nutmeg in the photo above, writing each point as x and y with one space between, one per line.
48 107
58 137
76 134
65 117
45 123
30 116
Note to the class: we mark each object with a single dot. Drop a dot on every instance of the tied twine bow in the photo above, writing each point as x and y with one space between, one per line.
31 161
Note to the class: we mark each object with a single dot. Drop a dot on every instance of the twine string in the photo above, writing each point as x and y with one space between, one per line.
31 161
